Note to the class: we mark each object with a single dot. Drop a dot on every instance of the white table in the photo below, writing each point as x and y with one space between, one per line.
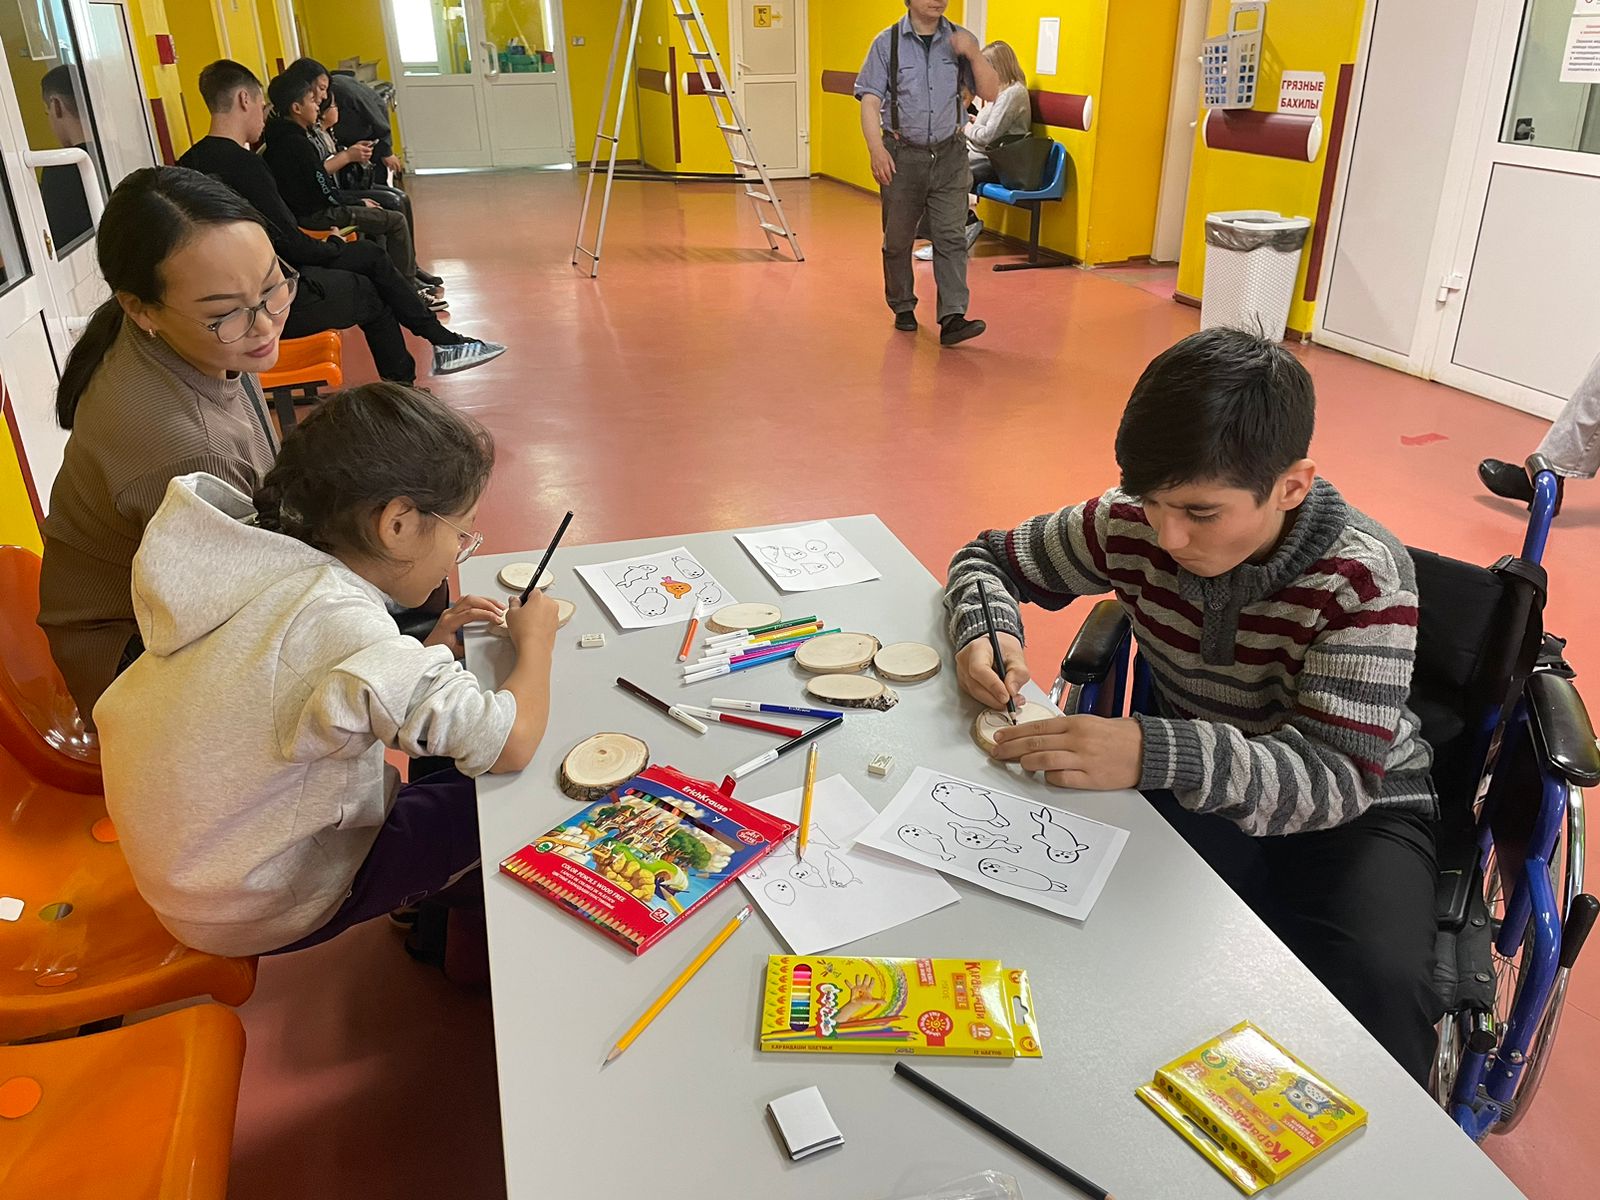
1168 958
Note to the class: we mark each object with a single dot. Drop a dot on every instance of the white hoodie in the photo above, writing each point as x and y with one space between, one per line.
243 752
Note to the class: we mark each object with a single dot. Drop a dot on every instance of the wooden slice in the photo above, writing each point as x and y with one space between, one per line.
907 662
852 691
599 763
564 612
742 616
515 576
837 653
983 728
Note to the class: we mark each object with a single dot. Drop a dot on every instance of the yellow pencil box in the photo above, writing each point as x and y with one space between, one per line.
1255 1111
828 1004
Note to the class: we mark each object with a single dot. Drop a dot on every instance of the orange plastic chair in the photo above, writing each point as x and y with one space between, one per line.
39 722
348 234
140 1113
85 946
304 368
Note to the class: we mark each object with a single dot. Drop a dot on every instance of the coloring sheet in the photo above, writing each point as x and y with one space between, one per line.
807 558
655 589
837 895
1044 856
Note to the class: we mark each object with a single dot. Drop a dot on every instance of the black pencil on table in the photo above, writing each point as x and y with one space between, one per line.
545 561
989 1125
999 658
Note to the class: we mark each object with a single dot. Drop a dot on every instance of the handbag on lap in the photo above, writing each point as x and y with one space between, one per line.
1021 159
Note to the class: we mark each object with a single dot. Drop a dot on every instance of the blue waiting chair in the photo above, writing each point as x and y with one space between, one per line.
1513 750
1055 187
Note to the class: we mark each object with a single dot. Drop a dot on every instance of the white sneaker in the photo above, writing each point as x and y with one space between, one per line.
464 356
923 253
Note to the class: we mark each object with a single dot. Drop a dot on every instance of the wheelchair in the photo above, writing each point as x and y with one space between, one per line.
1513 750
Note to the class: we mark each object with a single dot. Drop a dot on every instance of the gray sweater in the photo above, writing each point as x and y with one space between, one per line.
243 753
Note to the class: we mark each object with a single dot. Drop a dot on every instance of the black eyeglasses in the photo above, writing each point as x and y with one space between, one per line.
237 324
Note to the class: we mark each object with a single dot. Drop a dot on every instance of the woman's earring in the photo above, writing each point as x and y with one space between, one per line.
150 331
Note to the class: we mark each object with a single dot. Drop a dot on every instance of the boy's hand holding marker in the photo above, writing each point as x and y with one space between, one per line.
975 670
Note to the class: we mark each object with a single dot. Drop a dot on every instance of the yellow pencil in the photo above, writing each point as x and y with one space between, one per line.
677 985
805 802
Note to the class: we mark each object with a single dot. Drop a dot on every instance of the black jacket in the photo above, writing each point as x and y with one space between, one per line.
224 159
296 163
362 115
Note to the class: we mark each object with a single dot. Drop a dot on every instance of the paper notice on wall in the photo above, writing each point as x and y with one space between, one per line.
1301 93
1586 8
1581 62
1049 45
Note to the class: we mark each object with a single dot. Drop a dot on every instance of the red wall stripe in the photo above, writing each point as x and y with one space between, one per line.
1330 175
22 455
158 115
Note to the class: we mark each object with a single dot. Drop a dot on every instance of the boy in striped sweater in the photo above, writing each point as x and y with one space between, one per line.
1279 625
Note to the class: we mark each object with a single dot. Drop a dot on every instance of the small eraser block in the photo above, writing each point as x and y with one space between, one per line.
804 1123
10 908
881 765
592 641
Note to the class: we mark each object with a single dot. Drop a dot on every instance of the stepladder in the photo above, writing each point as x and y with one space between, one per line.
750 172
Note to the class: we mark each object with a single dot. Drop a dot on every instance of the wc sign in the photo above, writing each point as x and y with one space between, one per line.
1301 93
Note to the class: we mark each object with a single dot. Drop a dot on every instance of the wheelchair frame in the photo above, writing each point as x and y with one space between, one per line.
1489 1063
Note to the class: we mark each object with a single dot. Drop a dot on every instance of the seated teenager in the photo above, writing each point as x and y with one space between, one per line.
243 752
66 208
305 185
162 383
363 117
345 283
356 180
1279 625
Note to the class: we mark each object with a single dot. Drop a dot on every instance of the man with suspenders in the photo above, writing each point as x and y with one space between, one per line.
911 115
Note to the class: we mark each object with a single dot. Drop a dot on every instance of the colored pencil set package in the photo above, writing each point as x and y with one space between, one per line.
1255 1111
826 1004
641 859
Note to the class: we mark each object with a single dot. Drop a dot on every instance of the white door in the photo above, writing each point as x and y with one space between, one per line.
767 53
481 83
116 95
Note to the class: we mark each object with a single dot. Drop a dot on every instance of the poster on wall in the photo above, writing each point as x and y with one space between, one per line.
1301 93
1581 61
1049 45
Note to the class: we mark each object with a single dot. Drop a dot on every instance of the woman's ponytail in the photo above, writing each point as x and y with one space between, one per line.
96 341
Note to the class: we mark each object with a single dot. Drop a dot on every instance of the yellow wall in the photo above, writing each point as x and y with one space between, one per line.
332 30
193 25
595 21
236 23
17 524
149 18
273 43
1301 35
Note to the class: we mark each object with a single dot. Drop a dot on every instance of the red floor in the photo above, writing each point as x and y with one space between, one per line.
698 385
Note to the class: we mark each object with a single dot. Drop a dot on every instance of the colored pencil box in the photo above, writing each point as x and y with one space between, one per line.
1255 1111
828 1004
638 861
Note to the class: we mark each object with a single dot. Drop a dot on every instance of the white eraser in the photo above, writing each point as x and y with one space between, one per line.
880 765
592 641
804 1123
10 908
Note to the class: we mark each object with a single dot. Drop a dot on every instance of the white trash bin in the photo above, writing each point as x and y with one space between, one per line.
1252 261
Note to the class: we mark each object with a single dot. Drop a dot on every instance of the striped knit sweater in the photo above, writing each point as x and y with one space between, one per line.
1281 686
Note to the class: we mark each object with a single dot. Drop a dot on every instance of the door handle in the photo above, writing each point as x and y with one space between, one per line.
73 157
494 58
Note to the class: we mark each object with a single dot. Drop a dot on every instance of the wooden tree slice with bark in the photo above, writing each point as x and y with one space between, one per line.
907 662
599 763
742 616
515 576
990 720
852 691
836 653
564 611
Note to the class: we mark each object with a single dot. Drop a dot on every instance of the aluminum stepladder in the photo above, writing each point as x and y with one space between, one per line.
730 121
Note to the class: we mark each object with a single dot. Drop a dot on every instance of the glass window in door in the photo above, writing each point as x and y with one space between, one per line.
41 48
1554 100
13 258
433 37
520 31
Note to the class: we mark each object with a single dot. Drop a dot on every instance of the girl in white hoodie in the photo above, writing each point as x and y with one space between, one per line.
243 752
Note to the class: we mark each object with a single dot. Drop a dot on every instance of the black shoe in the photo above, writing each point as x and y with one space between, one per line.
955 330
906 322
1506 479
429 279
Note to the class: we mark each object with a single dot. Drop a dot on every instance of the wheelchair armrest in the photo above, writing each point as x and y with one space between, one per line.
1093 652
1562 734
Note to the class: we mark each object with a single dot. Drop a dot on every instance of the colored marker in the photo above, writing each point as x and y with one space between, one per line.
784 624
747 652
788 710
544 562
672 710
728 719
772 756
713 672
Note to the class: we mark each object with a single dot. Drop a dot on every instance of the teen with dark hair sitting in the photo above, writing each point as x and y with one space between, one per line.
346 283
1279 625
356 179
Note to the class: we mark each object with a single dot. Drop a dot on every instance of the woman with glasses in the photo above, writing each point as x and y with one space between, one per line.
243 752
162 383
